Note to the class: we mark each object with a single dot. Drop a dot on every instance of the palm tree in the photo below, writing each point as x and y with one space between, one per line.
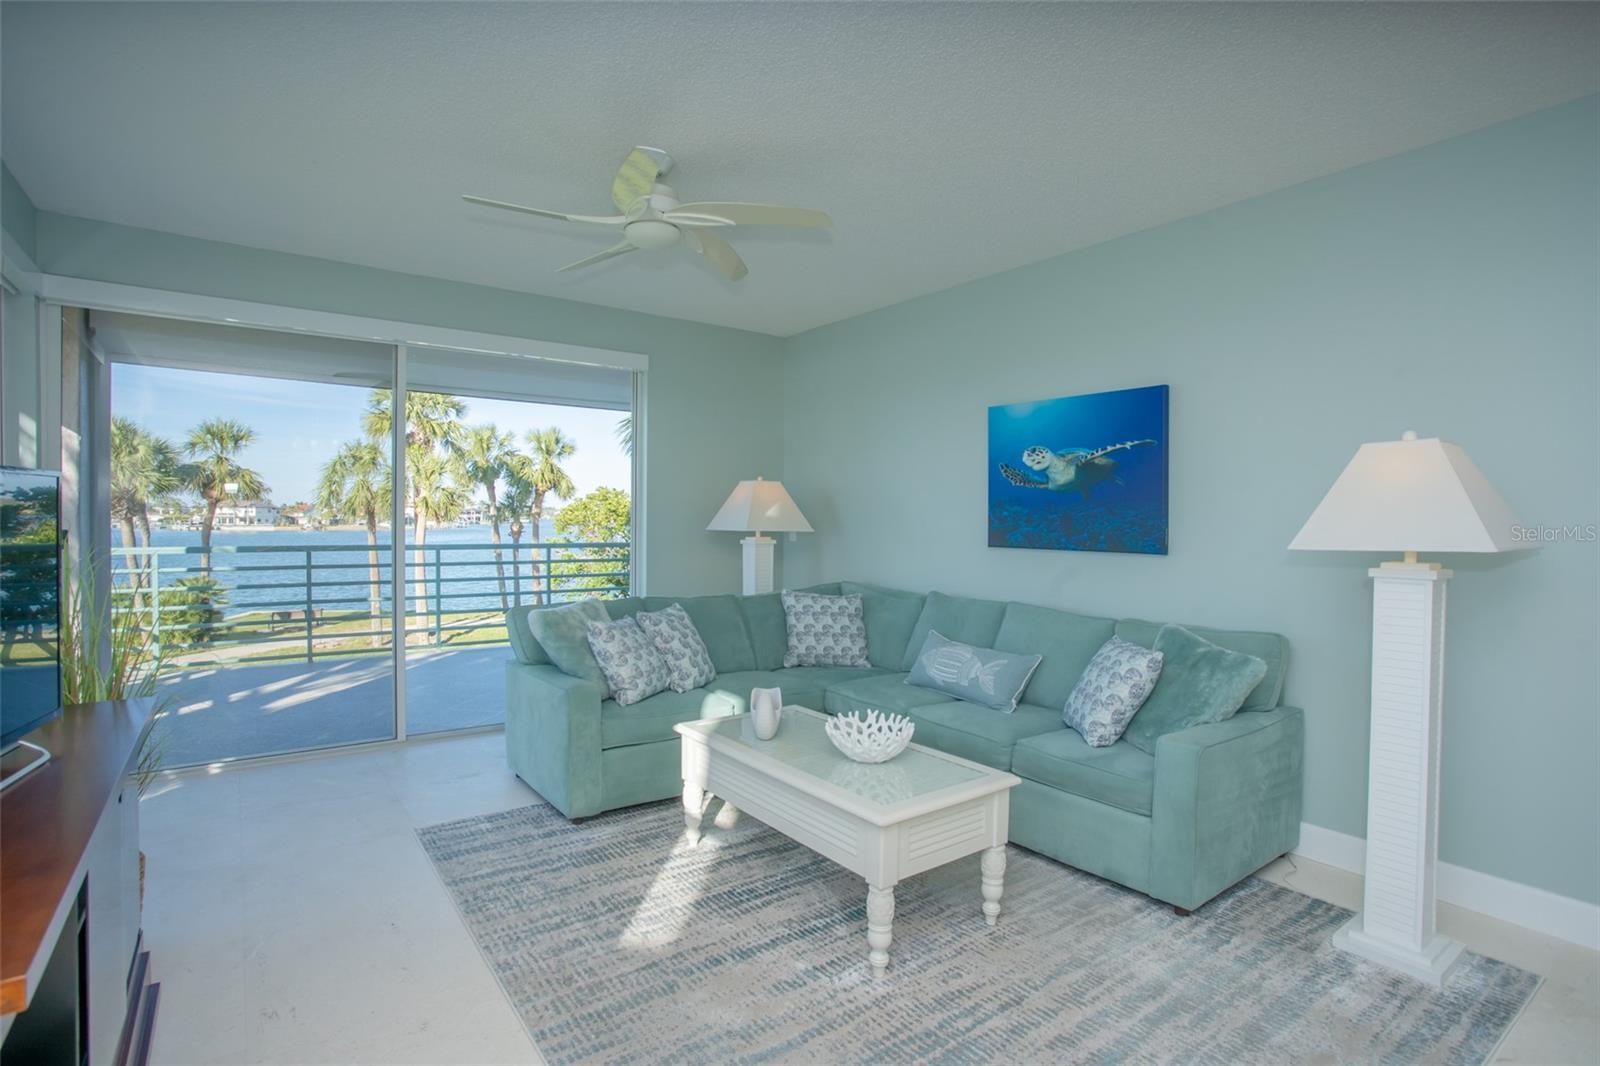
515 503
126 442
483 456
355 487
548 447
437 497
216 474
433 421
624 433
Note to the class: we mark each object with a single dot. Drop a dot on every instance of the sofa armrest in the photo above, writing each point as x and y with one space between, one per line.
553 736
1227 802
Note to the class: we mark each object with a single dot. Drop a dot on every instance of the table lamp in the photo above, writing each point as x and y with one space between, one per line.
759 507
1407 496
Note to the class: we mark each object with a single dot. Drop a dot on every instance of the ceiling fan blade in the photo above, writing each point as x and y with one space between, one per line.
721 254
614 250
690 218
601 220
635 177
749 215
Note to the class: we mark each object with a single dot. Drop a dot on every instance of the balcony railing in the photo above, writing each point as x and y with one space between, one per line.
276 602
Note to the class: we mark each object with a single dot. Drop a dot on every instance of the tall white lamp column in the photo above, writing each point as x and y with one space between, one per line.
1408 495
758 507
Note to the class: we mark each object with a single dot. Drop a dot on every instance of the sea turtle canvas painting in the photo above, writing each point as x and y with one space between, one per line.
1080 473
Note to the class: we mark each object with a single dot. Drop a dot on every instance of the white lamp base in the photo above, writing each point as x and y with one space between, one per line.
758 553
1432 964
1396 924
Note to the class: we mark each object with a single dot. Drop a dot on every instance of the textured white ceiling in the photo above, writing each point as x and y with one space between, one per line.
948 141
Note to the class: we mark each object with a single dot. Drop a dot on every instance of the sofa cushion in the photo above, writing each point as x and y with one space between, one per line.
1200 683
524 645
634 669
994 679
652 719
673 633
1113 687
563 632
890 615
1119 775
978 733
1270 648
720 623
824 630
1065 641
804 686
626 607
960 618
763 623
883 692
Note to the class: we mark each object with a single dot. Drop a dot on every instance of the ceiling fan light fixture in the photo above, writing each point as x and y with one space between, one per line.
651 234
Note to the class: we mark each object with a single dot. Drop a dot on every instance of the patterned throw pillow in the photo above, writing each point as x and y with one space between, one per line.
977 675
824 630
672 632
633 667
1113 687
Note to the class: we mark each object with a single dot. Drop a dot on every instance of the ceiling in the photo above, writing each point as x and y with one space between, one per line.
948 141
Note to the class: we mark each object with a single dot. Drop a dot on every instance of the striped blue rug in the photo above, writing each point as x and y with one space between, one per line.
618 943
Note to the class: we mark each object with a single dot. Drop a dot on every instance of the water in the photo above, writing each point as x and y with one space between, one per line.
1126 512
470 583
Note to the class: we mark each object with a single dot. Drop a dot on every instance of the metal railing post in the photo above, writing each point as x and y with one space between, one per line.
155 604
310 646
549 585
438 593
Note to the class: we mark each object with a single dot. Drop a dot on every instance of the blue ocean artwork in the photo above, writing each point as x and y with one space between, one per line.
1080 473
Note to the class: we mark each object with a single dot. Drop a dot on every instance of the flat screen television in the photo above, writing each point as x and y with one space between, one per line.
30 601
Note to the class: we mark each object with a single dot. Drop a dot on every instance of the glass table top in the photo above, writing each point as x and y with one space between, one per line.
802 744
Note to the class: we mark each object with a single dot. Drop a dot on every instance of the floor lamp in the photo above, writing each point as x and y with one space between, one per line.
1408 496
758 507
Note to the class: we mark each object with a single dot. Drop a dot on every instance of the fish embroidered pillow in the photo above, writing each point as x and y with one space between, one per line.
977 675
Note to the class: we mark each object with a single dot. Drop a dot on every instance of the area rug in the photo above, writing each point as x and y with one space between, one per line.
617 942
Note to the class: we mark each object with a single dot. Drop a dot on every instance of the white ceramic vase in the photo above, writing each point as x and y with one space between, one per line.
766 709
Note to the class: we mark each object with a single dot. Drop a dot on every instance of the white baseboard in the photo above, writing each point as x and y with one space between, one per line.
1510 901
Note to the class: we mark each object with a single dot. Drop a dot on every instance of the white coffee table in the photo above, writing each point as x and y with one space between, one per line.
885 822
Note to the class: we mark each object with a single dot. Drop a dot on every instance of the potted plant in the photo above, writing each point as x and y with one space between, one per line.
108 652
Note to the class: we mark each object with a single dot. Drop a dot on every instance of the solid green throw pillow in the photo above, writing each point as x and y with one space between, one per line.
563 632
1200 683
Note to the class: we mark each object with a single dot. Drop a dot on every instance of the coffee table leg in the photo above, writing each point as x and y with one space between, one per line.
880 926
694 805
994 872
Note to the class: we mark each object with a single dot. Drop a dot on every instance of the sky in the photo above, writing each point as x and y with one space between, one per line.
299 424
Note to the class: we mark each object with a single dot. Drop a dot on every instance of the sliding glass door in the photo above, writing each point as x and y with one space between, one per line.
318 539
250 488
511 500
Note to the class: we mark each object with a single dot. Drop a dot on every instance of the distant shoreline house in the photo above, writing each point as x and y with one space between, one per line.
298 514
246 513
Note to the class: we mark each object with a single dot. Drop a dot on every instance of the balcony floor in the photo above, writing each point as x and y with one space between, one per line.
240 711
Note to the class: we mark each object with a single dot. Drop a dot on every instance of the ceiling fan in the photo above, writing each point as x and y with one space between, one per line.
653 218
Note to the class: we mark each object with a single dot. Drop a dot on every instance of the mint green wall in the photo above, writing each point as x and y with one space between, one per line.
17 214
692 467
1451 290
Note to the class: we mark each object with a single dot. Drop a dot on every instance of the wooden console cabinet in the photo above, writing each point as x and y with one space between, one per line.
73 982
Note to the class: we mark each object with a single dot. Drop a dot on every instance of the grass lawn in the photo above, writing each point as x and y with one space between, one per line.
259 637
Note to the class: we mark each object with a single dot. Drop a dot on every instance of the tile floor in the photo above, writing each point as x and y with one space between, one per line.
293 918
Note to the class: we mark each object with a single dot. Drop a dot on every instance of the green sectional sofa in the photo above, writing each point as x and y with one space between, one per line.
1213 803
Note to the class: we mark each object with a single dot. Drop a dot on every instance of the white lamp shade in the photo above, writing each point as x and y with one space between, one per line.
760 507
1410 495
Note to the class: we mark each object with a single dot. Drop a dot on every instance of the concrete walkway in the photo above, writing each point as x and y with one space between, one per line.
239 711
